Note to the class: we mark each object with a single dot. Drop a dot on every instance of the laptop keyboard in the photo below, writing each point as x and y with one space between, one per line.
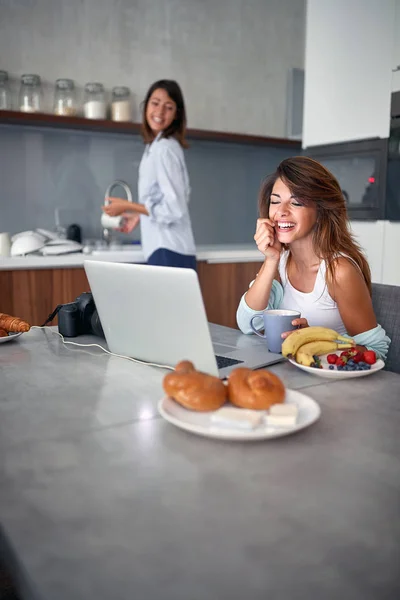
224 361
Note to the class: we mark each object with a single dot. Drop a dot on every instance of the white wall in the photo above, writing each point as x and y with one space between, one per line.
380 242
348 58
396 50
231 57
370 235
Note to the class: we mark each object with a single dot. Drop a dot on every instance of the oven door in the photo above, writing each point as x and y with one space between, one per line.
360 168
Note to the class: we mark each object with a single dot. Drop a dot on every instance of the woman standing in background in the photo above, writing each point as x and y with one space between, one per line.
163 186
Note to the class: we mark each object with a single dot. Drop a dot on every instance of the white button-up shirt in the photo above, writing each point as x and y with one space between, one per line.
164 189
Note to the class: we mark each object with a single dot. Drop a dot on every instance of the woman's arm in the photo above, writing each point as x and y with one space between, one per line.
352 297
258 295
118 206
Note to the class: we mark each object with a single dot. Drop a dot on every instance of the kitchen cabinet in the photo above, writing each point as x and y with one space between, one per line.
33 294
222 286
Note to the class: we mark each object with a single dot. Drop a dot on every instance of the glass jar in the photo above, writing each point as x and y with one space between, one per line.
94 102
64 98
5 93
30 94
121 104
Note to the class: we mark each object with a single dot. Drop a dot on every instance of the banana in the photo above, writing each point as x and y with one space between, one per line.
305 354
299 337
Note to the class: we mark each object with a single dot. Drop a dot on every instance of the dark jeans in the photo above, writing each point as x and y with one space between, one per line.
166 258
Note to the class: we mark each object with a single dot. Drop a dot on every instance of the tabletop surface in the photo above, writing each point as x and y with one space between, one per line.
101 498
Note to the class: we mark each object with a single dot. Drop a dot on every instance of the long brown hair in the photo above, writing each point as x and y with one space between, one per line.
177 128
311 182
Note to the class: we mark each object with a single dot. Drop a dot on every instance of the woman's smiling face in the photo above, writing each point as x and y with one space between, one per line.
294 220
160 111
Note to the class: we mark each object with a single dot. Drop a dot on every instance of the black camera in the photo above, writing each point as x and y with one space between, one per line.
79 317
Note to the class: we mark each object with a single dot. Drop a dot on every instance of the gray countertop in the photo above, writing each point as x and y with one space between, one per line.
101 498
213 253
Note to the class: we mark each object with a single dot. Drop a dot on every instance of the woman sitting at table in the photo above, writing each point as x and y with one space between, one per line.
312 263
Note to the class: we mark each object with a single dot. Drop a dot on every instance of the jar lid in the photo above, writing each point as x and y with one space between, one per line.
30 79
121 90
65 84
94 87
3 76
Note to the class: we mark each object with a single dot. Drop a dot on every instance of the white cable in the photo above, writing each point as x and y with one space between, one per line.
142 362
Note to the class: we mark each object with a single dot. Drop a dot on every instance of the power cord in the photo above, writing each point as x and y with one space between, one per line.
135 360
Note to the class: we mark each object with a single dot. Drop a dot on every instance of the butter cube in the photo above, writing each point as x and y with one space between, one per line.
239 418
282 415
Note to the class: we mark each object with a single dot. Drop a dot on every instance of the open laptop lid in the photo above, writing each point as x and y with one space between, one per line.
154 314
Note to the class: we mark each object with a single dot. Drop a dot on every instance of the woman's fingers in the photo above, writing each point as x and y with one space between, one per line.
264 232
298 323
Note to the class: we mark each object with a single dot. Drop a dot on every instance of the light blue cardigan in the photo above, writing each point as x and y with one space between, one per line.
373 339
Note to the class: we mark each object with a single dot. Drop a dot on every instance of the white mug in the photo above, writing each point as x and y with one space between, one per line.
111 222
5 244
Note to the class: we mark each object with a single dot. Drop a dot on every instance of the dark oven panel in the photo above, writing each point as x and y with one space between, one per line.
360 167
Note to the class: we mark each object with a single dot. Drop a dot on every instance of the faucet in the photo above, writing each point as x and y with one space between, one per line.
118 182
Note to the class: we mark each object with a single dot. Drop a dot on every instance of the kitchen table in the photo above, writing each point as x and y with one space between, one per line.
103 499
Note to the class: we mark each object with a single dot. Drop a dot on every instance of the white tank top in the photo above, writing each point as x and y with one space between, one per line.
317 306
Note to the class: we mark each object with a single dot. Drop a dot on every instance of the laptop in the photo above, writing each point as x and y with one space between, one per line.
157 314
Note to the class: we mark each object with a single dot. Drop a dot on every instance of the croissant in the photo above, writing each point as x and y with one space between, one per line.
3 333
14 324
193 389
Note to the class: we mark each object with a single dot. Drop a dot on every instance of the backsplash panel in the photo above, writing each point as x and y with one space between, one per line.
44 169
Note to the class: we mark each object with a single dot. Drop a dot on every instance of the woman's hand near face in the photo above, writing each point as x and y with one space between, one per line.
266 239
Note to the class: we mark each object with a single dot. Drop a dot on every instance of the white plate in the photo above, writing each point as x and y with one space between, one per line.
334 373
10 337
200 422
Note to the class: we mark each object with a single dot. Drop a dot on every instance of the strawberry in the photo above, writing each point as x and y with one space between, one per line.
369 357
358 357
332 358
349 353
341 361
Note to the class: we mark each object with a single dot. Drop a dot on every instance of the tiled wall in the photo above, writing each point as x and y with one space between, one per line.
45 169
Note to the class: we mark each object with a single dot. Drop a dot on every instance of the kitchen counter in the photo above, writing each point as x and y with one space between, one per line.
217 253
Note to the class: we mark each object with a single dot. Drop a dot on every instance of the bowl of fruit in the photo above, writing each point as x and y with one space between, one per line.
325 353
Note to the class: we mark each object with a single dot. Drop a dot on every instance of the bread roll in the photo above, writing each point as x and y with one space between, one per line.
3 333
193 389
257 390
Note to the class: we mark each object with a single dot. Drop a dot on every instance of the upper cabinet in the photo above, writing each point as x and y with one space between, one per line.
348 71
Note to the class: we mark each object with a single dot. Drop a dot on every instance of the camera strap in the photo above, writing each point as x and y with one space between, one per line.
52 315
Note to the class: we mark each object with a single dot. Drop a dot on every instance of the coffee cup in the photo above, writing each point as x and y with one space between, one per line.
276 322
111 222
5 244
